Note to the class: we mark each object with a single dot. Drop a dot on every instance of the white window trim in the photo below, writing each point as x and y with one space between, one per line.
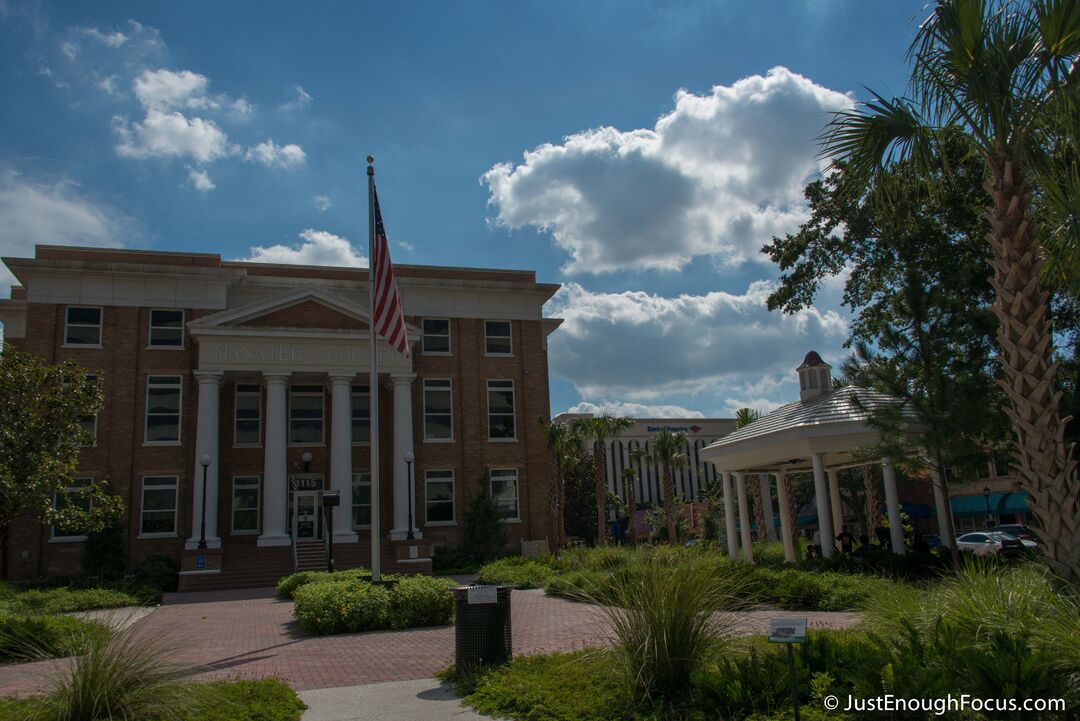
233 531
513 388
510 325
352 394
236 419
101 328
517 493
453 496
322 419
150 331
53 538
449 339
179 413
142 507
423 409
365 526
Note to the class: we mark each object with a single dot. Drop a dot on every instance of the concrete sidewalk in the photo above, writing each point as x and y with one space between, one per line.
420 700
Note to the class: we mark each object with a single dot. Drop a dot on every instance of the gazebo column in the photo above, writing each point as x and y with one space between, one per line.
821 499
766 498
787 523
744 518
835 502
941 505
729 518
892 506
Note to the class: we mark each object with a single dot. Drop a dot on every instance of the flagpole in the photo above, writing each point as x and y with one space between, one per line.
376 570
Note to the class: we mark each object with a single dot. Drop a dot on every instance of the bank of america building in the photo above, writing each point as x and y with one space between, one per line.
263 370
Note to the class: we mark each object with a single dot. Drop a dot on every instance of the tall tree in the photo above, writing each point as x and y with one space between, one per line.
563 441
667 450
1005 73
599 430
42 408
628 476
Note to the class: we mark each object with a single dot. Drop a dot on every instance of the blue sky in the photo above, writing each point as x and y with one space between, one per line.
639 153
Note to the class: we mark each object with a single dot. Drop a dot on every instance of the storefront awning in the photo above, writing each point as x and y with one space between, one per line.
1000 503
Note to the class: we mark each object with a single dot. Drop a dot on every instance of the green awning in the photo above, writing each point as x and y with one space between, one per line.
1000 503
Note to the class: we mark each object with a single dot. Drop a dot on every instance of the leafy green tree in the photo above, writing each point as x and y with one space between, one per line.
485 532
41 411
1005 74
667 450
599 430
580 508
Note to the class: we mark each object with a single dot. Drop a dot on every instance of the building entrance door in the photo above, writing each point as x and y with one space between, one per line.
307 521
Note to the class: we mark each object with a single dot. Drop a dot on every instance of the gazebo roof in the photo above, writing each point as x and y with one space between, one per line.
833 424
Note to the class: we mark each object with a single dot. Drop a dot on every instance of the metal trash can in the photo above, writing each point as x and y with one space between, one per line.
481 626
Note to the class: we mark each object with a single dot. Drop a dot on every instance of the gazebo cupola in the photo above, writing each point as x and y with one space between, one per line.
814 377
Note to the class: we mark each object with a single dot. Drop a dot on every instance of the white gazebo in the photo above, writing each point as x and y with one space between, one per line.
817 433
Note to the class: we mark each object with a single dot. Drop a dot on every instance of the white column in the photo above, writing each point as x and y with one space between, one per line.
729 518
787 523
834 501
403 443
275 488
766 499
821 499
941 505
206 443
744 518
341 455
892 505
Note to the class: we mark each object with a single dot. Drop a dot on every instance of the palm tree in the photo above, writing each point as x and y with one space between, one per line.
667 450
746 416
628 475
562 440
1006 74
601 429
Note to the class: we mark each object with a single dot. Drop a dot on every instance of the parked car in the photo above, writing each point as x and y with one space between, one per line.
1016 529
989 543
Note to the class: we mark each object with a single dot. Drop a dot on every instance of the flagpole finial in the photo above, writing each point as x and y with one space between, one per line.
370 167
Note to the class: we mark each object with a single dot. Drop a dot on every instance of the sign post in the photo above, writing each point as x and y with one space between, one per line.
788 631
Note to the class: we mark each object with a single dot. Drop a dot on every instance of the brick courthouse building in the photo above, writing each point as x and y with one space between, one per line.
264 368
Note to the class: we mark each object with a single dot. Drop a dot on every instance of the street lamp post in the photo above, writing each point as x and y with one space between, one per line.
204 461
408 464
986 497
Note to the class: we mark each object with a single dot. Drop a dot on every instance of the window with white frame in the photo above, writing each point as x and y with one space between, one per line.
497 338
439 496
245 504
361 414
88 424
361 500
74 495
306 415
166 328
436 336
438 409
82 326
157 514
163 394
504 491
501 424
247 422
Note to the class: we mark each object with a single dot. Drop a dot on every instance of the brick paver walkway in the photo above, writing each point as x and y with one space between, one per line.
253 634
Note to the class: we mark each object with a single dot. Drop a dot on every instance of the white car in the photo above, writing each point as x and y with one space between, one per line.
988 543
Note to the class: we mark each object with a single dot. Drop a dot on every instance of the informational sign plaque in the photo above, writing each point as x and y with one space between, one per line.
787 630
483 594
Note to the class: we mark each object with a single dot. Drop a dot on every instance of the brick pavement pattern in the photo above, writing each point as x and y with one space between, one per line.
251 634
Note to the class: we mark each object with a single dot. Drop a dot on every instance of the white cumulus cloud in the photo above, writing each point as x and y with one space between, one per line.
166 89
635 410
322 203
317 247
171 134
276 156
200 179
717 176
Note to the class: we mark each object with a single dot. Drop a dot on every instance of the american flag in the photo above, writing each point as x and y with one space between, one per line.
389 317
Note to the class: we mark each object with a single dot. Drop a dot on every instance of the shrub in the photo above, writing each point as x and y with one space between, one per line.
421 601
286 587
157 571
517 572
485 532
458 560
104 554
24 638
342 606
67 600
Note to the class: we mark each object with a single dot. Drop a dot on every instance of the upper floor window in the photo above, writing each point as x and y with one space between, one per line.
163 395
306 415
166 329
436 336
82 326
438 414
504 491
75 495
157 515
361 414
497 338
501 425
248 421
361 500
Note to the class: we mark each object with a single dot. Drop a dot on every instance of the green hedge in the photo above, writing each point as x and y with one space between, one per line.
517 572
349 605
32 637
286 587
66 600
